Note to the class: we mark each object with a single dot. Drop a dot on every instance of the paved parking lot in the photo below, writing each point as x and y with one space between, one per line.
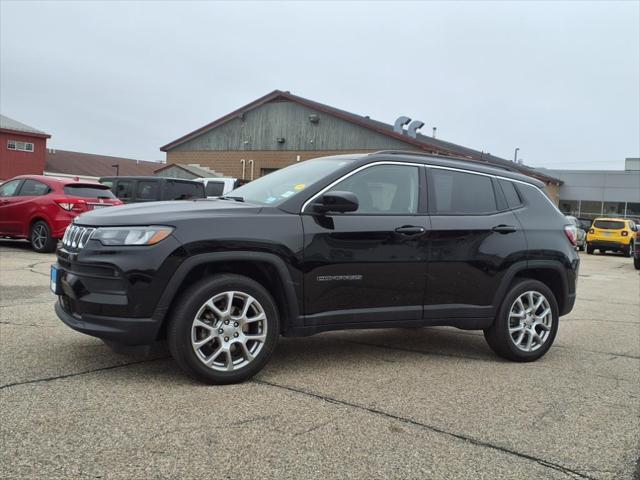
432 403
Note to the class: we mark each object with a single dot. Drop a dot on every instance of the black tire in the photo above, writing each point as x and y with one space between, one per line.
498 336
40 238
628 250
636 263
182 318
590 250
581 248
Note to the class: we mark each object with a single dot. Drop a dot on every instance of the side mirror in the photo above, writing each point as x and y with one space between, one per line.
340 202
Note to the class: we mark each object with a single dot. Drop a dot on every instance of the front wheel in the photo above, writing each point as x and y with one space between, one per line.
527 322
40 237
224 329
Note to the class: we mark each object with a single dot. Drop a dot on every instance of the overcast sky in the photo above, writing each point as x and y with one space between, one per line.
558 80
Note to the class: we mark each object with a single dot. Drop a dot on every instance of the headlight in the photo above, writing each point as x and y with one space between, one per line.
131 235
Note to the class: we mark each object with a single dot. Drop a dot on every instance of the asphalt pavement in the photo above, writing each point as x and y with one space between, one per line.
432 403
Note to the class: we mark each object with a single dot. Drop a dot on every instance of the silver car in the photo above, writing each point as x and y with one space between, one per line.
581 235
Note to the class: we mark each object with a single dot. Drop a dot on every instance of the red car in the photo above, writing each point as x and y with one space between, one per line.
39 208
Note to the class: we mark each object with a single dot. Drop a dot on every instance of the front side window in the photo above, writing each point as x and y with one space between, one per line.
460 193
384 189
9 188
33 188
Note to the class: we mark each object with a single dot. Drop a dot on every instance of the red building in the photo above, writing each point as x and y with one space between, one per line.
23 149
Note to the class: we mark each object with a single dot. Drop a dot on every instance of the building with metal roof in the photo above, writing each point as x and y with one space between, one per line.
280 128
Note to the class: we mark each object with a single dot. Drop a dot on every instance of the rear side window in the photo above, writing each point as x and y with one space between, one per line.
215 189
608 225
124 189
459 193
185 190
148 191
511 193
86 191
33 188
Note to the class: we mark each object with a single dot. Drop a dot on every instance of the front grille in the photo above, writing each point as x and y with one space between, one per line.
76 236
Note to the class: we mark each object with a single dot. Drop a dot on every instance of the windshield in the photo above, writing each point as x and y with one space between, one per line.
608 225
283 184
88 191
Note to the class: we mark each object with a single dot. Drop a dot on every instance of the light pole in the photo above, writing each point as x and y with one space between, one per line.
515 155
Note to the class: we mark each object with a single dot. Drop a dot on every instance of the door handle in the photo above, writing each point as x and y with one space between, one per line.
410 230
504 229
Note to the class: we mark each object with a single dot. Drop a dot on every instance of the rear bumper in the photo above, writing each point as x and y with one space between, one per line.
608 244
126 331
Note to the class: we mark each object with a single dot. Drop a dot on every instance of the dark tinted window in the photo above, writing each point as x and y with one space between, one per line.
185 190
124 189
385 189
215 189
87 191
461 193
608 224
511 193
148 190
33 188
9 189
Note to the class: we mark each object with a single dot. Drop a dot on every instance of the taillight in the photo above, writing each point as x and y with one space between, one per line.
592 230
73 205
571 233
625 233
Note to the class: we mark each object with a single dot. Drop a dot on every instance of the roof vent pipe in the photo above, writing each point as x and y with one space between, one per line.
434 132
414 127
400 122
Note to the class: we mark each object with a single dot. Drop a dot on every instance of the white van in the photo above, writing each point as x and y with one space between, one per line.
219 186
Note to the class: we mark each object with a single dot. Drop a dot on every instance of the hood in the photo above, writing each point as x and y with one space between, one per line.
164 213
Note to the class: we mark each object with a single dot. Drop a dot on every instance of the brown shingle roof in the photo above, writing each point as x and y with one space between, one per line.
422 141
91 165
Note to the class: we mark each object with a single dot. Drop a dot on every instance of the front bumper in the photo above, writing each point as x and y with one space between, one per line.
126 331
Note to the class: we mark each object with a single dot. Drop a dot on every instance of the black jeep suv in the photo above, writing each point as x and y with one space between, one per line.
389 239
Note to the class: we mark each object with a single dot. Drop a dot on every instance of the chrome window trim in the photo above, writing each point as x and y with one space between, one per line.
425 165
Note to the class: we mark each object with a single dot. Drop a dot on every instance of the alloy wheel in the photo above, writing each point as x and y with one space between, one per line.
39 236
229 331
530 321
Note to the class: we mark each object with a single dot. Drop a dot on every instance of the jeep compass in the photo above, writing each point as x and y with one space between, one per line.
383 240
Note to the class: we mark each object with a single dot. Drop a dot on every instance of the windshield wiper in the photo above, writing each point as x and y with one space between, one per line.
229 197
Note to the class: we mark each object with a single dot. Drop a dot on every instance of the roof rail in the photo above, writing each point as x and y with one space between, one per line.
446 157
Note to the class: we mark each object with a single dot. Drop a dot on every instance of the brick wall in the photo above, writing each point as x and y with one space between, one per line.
228 162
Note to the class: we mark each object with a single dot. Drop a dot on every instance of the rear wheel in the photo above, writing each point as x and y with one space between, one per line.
628 250
224 329
527 322
636 263
40 238
590 249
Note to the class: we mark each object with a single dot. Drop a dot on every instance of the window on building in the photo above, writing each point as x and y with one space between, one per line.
633 210
613 209
569 207
386 189
458 193
33 188
21 146
590 208
267 171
